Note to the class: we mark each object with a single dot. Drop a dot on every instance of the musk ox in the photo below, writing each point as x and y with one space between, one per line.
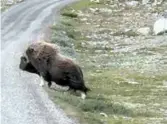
45 59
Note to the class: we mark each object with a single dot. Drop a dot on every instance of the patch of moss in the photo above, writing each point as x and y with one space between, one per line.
70 14
128 33
3 8
83 4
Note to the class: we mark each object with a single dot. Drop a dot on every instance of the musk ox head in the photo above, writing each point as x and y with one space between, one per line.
25 65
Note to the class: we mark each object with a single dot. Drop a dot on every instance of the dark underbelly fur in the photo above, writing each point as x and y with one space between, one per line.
66 81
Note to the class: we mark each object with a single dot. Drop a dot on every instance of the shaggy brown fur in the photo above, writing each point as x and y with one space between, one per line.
52 66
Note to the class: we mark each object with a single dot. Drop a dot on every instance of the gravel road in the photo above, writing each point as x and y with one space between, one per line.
23 101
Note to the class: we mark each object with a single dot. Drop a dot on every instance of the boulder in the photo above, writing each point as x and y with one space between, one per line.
160 26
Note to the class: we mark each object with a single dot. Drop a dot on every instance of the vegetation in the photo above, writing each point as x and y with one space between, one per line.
5 6
126 95
70 14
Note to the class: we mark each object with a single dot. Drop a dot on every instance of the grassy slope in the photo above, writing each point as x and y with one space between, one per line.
4 6
125 95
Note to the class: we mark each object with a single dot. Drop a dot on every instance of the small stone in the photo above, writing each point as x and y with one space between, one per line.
83 44
145 1
94 10
19 1
130 33
104 114
106 10
144 31
84 19
9 2
80 13
156 2
165 83
95 1
132 3
133 82
165 14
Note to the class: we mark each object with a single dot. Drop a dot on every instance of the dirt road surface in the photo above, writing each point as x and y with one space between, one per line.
23 101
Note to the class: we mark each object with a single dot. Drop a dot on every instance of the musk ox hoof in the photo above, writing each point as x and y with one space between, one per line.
83 95
41 82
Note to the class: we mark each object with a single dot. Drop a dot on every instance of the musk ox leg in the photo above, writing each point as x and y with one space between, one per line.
47 77
49 84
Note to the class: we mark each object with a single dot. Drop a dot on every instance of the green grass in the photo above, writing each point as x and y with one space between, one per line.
4 8
110 90
83 4
125 95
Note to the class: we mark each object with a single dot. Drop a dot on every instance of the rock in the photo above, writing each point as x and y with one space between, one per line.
95 1
80 13
19 1
129 33
132 82
164 14
165 83
157 2
94 10
144 30
145 1
105 10
104 114
84 19
160 26
132 3
154 2
9 2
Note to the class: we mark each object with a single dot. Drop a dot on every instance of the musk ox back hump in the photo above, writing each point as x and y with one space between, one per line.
42 49
39 53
